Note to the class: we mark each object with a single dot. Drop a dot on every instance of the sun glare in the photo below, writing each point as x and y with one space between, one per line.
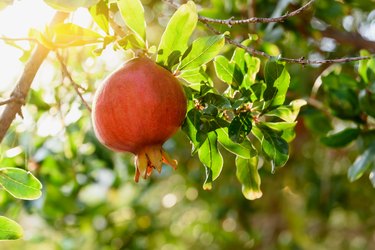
15 22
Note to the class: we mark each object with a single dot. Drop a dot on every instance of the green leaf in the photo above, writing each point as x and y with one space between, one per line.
195 77
228 72
209 112
211 158
99 13
191 127
253 67
282 85
362 163
238 56
279 126
20 183
216 100
272 71
286 128
317 121
175 38
9 229
367 101
257 91
65 35
341 138
240 127
36 98
247 174
343 103
362 68
289 112
366 68
202 50
275 148
342 95
69 34
334 81
70 5
130 41
244 149
132 13
211 124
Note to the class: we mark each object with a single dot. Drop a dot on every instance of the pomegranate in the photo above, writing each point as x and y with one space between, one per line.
136 109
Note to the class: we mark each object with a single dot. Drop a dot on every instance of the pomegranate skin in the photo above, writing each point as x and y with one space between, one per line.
138 106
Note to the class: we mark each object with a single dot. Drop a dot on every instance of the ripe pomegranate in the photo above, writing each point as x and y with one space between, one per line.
136 109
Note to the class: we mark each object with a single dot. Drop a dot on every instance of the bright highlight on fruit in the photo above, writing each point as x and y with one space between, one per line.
136 109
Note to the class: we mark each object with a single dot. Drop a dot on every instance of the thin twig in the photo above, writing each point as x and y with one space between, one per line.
76 86
250 50
23 85
230 22
301 60
305 61
254 52
19 100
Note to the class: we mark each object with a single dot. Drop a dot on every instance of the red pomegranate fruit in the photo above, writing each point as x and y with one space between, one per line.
136 109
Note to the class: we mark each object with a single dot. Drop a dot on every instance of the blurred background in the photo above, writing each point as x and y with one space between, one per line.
90 200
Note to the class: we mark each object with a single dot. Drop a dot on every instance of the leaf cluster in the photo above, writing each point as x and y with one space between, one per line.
351 100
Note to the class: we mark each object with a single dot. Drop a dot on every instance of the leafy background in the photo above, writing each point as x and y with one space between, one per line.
89 200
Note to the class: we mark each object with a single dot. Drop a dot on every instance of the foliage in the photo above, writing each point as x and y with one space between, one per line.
242 118
352 102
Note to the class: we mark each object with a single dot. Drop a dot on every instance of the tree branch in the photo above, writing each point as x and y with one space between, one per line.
301 60
76 86
254 52
12 99
230 22
23 85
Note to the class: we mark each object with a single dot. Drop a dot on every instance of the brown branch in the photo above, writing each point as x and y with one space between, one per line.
305 61
301 60
13 99
230 22
76 86
23 85
254 52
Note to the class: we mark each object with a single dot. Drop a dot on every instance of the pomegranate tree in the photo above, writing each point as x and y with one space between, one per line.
136 109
